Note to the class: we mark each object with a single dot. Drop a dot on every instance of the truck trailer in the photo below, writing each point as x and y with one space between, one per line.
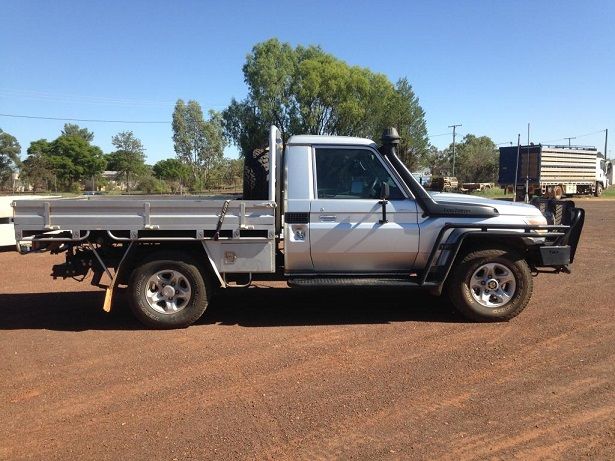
334 212
553 171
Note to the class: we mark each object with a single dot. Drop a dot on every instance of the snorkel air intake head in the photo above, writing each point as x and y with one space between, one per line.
390 140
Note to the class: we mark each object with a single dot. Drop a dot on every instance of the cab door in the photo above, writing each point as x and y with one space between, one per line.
346 232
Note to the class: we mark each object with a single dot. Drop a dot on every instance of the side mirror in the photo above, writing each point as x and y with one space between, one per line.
384 195
384 190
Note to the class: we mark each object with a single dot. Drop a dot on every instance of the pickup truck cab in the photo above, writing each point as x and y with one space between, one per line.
322 211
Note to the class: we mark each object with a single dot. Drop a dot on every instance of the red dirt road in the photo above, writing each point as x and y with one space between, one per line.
282 374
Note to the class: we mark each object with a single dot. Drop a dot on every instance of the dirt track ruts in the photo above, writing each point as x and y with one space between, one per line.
275 373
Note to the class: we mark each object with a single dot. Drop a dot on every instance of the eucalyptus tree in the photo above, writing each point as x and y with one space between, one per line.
306 90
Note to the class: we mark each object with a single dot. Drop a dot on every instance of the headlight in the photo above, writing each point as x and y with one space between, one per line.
536 221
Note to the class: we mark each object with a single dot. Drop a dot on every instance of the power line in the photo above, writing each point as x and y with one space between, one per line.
69 119
574 137
60 97
47 96
441 134
66 119
589 134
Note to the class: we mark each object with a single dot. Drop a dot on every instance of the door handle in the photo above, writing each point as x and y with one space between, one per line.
327 218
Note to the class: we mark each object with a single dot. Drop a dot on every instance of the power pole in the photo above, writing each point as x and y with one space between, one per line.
574 137
527 167
517 167
606 141
454 127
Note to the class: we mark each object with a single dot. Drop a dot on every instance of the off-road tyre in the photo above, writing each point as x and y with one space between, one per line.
459 291
255 172
194 276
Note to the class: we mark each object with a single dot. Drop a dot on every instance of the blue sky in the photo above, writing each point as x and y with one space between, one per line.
492 66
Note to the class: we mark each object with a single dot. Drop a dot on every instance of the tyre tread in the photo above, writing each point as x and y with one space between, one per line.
255 172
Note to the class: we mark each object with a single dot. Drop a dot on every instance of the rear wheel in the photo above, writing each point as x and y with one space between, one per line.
491 285
168 291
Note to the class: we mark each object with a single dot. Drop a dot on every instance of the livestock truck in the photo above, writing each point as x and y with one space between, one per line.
319 211
554 171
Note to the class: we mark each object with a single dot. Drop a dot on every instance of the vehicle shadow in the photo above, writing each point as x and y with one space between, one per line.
253 307
266 307
62 311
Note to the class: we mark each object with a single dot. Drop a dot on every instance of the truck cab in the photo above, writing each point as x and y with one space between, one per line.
604 174
334 213
337 220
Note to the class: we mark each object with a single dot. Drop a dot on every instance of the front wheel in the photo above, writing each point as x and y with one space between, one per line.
168 291
491 285
599 189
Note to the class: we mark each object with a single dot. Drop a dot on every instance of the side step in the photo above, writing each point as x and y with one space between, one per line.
358 281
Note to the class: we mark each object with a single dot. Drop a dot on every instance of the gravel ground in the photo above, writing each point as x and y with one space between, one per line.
274 373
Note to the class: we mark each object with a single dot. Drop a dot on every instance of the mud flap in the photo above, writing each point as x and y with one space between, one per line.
109 289
108 298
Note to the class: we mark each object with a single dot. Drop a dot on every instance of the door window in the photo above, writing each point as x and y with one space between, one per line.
352 174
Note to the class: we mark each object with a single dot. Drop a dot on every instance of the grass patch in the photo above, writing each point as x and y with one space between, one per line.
609 192
495 192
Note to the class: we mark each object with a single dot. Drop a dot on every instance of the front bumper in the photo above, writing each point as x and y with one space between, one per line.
560 251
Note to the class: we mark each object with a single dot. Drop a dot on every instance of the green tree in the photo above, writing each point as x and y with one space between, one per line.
332 97
72 129
406 114
269 72
73 159
152 185
36 168
438 161
197 142
129 158
171 169
305 90
9 156
227 174
234 171
244 126
476 159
